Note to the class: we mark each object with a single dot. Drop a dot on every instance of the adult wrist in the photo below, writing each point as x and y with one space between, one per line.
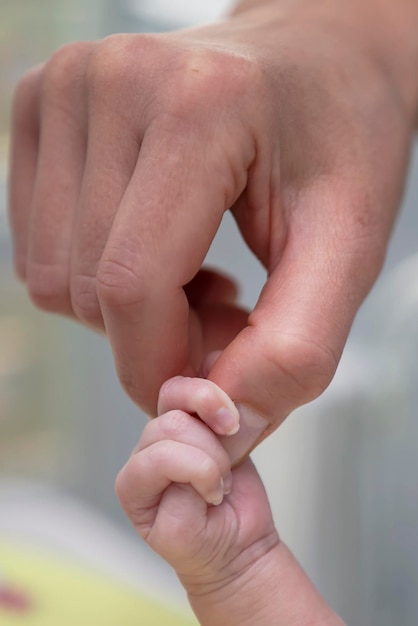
396 40
387 31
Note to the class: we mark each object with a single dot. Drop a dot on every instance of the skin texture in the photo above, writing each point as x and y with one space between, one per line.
211 523
126 152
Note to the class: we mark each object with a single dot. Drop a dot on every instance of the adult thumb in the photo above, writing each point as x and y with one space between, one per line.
289 351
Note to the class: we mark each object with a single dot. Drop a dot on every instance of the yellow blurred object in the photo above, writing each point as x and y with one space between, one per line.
59 593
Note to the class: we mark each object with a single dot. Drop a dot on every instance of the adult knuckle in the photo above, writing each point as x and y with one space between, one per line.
116 62
48 286
307 365
105 65
205 77
239 76
118 284
64 68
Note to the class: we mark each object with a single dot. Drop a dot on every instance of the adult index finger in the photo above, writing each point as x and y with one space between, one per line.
183 182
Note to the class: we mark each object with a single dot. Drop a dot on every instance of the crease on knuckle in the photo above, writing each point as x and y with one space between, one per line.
118 284
308 365
47 286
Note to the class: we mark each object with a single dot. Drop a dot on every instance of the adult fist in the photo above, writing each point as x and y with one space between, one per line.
127 152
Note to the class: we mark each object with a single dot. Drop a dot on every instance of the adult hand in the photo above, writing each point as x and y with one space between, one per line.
127 152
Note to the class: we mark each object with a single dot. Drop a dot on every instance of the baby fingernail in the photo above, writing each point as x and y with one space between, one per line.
227 421
227 481
217 496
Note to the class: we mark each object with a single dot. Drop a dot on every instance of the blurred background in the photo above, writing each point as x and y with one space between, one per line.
341 473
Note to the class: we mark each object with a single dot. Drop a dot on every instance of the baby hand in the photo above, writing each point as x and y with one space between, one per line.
210 522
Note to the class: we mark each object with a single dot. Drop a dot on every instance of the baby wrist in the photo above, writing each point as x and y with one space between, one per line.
273 591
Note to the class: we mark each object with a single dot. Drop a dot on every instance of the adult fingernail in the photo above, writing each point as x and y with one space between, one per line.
227 421
252 427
